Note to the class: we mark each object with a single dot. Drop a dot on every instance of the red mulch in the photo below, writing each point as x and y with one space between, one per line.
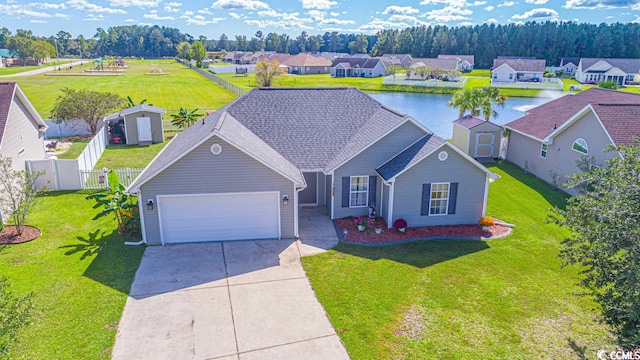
369 236
9 236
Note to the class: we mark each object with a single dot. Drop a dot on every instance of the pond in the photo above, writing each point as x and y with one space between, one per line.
432 111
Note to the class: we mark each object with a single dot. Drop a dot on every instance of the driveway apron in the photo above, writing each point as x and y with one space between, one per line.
233 300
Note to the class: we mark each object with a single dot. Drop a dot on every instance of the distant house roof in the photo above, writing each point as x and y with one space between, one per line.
5 53
542 120
282 128
443 64
303 60
534 65
467 58
9 90
134 109
274 56
510 57
396 59
359 62
569 60
629 66
470 121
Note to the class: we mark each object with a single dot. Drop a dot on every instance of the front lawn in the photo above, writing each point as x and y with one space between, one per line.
120 156
499 299
80 273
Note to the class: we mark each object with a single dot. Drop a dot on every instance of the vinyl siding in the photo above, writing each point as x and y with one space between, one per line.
407 198
366 162
132 127
460 138
486 127
561 159
202 172
21 132
503 73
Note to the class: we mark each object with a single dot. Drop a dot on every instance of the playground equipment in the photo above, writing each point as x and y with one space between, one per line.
112 64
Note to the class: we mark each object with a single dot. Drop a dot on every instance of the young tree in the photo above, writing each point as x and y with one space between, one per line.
605 239
394 70
185 118
87 105
184 50
131 103
198 52
268 72
18 193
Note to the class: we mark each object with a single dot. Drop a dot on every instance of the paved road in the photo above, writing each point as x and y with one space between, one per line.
47 69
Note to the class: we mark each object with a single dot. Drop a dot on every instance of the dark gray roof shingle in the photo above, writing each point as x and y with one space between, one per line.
7 90
410 156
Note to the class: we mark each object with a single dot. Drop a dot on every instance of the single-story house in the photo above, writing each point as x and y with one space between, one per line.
477 137
620 71
550 138
465 62
507 70
140 124
359 66
244 171
21 127
307 64
569 65
397 59
444 65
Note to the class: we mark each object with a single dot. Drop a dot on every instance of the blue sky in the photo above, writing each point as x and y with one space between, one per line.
212 18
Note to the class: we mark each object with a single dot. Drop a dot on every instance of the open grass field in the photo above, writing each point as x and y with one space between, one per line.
319 80
182 87
10 70
505 298
80 273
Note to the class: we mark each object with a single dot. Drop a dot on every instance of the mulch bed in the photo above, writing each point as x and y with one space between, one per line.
10 236
368 236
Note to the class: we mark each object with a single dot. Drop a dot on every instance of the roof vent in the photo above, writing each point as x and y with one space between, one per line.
216 149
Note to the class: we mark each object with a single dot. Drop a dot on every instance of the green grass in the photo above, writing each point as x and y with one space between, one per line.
10 70
479 72
120 156
319 80
80 273
498 299
181 88
76 148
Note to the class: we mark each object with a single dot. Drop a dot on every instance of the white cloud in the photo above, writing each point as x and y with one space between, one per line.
205 11
492 20
334 14
62 16
200 20
318 4
392 10
376 25
536 2
452 3
333 21
637 20
507 4
284 24
48 6
449 13
38 21
400 17
129 21
317 15
21 10
477 3
154 16
536 13
174 4
239 5
234 15
489 8
92 17
169 9
466 23
602 4
135 3
188 13
85 6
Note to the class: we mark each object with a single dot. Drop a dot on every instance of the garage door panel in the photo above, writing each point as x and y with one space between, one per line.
215 217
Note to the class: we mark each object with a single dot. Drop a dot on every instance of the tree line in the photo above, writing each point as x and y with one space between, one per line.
544 40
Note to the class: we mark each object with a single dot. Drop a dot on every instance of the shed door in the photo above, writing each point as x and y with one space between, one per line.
144 129
219 217
484 144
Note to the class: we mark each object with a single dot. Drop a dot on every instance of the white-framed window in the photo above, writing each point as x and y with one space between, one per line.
510 76
439 199
359 191
580 146
21 152
543 150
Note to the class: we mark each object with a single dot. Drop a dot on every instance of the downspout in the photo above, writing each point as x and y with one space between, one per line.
390 213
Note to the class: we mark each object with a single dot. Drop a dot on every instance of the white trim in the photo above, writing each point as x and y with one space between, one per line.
296 232
408 119
17 92
446 211
391 195
126 134
492 145
141 212
569 122
359 191
546 151
586 146
159 198
333 192
523 134
486 197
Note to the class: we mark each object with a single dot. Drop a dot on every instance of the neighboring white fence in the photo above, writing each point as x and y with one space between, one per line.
402 81
230 69
97 179
545 84
67 128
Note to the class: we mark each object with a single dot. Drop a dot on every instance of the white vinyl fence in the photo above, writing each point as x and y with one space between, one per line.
401 80
97 179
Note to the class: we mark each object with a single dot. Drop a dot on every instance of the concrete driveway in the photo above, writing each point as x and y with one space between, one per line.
232 300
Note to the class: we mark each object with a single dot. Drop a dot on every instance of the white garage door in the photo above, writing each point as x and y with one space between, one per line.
215 217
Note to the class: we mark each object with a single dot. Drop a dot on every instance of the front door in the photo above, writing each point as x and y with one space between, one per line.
484 144
144 129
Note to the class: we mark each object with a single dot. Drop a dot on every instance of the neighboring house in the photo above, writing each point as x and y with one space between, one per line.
235 57
569 65
397 59
620 71
359 67
242 172
477 137
465 62
304 64
140 124
508 70
440 64
21 127
550 138
280 57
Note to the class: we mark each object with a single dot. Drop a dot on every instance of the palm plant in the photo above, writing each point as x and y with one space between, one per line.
478 101
185 118
116 202
131 103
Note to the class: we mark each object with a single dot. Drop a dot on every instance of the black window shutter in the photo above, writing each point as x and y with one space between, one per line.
372 189
346 186
426 195
453 196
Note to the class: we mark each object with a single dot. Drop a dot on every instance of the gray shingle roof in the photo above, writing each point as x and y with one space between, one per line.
468 58
629 66
134 109
535 65
410 156
6 98
470 121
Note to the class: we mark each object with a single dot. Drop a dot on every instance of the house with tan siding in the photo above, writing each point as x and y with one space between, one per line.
550 138
302 64
244 171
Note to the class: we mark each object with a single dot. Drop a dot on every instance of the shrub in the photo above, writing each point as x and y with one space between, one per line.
486 221
15 313
400 223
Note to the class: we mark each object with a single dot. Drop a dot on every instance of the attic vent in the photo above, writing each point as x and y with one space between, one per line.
443 155
216 149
